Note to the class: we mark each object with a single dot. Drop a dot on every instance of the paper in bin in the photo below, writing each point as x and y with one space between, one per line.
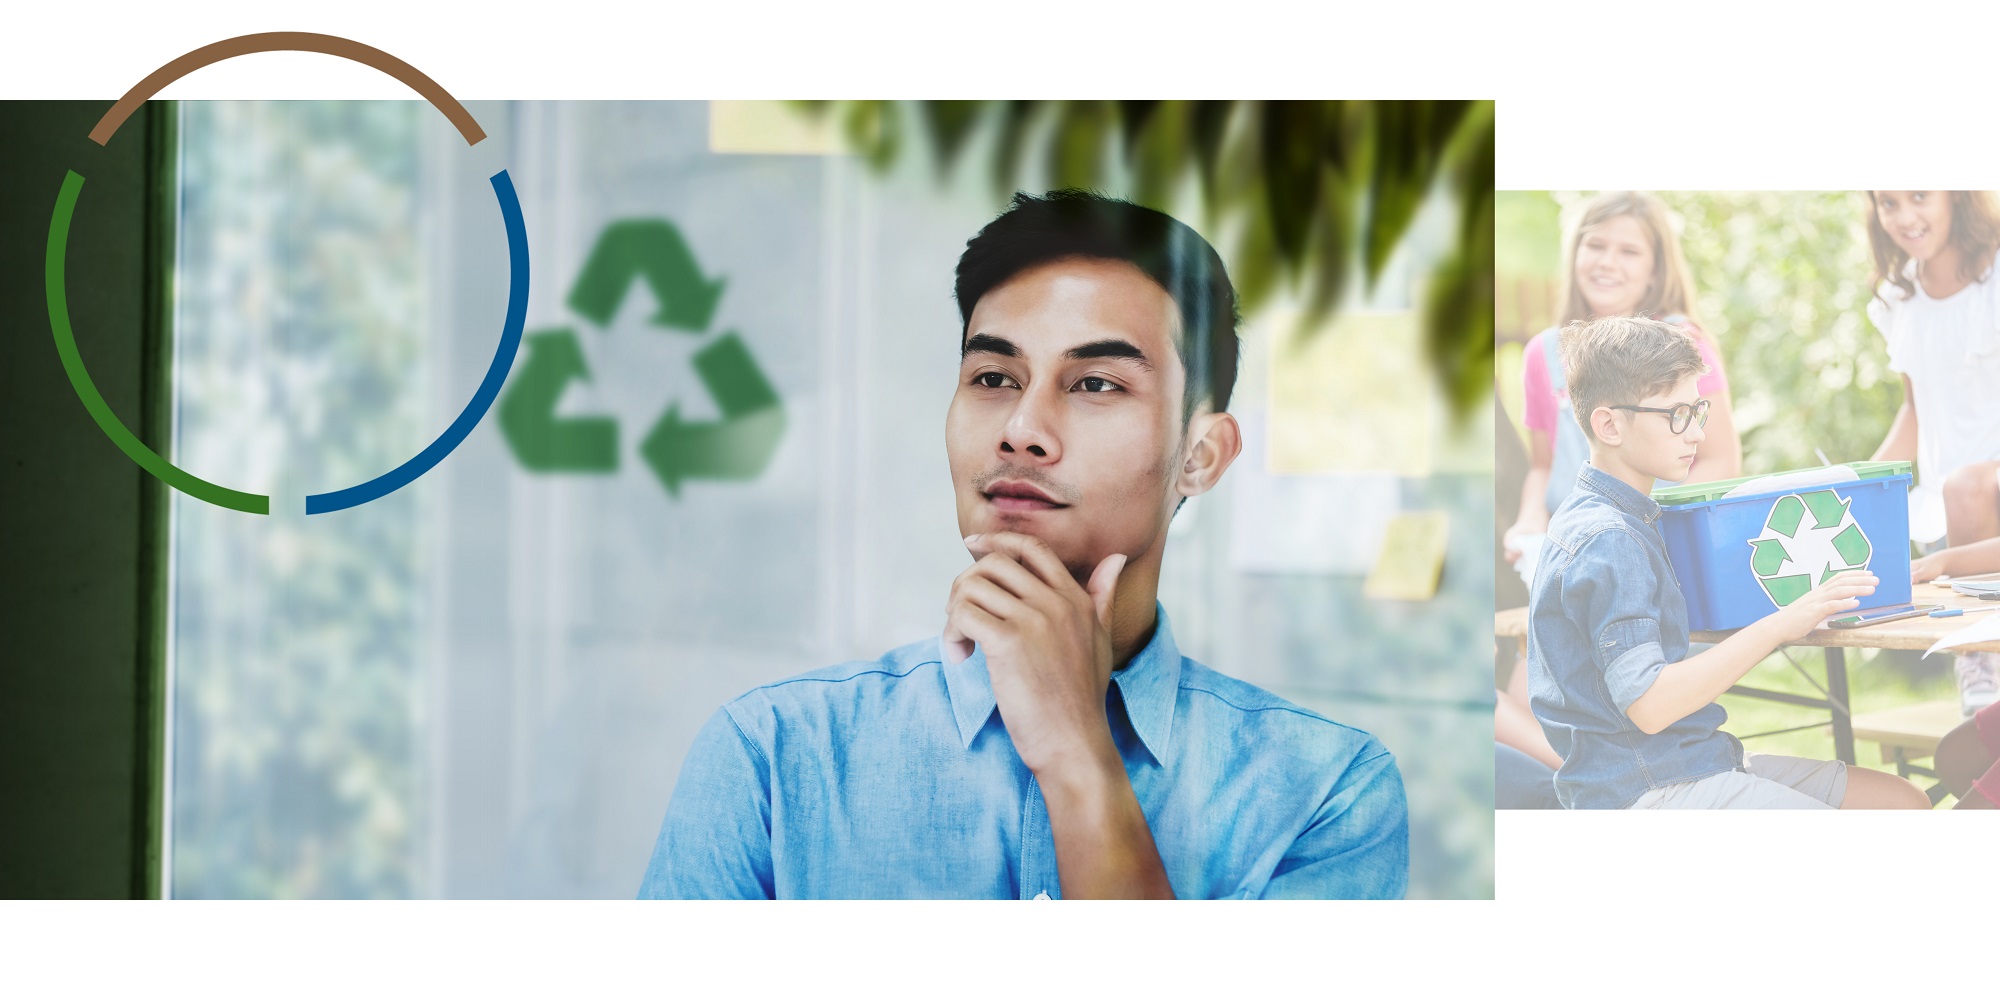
1803 479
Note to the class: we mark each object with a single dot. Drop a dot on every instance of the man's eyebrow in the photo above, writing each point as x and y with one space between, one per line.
986 343
1110 348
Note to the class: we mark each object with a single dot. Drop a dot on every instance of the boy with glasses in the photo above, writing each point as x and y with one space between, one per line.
1609 676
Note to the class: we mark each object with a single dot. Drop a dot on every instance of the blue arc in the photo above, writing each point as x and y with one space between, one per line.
489 389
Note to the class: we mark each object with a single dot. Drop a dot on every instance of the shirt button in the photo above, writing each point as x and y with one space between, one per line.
1042 895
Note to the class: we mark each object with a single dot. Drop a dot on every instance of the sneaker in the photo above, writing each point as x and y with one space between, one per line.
1978 681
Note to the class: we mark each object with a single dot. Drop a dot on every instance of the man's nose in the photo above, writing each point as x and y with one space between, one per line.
1030 433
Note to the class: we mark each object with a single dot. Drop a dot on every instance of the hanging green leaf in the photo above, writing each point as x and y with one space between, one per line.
1308 193
1289 134
950 124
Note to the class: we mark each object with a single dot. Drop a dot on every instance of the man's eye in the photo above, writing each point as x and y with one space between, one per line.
990 380
1095 384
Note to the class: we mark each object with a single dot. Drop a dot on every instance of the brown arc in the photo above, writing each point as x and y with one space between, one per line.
288 41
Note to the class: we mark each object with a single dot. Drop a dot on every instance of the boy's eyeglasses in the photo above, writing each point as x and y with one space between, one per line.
1678 416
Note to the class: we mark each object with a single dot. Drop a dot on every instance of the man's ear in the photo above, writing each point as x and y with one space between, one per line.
1214 441
1604 424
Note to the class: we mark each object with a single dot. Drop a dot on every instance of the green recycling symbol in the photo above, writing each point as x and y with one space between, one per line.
737 446
1807 538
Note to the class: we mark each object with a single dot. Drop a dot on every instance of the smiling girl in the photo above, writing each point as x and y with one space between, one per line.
1939 308
1623 260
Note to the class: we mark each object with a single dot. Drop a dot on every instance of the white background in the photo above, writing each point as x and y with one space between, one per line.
1592 95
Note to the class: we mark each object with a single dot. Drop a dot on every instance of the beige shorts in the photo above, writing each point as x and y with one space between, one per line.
1770 782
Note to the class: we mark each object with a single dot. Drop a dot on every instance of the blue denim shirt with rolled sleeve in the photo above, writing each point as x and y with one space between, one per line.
1605 616
896 777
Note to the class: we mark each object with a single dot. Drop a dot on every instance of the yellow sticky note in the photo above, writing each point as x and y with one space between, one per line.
1412 557
771 127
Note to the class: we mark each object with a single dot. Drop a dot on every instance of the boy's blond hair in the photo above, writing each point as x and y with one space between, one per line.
1624 359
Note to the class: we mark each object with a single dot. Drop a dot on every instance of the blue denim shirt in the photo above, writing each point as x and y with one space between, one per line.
1605 614
896 778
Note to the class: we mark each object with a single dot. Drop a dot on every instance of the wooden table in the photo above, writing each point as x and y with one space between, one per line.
1909 633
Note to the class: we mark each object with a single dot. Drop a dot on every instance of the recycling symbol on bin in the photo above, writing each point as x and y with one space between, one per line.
1807 538
737 446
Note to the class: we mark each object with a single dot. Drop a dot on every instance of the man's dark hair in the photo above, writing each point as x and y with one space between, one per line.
1069 224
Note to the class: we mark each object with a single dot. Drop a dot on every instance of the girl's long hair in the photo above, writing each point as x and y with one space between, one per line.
1671 290
1975 232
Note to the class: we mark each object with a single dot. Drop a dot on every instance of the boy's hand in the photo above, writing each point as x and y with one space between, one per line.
1930 567
1842 593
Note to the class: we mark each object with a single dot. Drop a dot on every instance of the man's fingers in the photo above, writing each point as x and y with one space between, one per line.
1029 551
1002 569
1103 582
967 624
976 579
957 646
989 597
977 604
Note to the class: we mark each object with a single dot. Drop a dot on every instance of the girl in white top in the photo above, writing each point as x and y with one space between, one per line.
1938 304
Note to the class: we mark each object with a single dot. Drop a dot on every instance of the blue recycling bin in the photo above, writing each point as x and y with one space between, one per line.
1741 558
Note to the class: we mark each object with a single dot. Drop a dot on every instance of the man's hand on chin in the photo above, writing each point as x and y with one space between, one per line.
1048 648
1048 655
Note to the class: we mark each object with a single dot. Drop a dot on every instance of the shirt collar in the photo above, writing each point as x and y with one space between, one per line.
1621 494
1149 685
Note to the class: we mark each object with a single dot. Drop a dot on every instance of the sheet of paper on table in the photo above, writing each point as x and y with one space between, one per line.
1986 629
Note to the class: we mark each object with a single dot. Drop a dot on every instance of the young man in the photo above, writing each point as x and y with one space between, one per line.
1631 714
1053 741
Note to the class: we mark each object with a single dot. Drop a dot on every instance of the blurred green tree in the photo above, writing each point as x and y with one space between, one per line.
1783 280
1782 283
296 641
1314 193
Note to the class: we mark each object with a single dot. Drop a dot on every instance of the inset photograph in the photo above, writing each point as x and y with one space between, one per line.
1747 500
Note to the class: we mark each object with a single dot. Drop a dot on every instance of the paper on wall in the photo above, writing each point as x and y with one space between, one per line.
1304 524
1412 557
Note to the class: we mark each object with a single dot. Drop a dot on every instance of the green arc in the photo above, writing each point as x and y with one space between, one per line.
86 390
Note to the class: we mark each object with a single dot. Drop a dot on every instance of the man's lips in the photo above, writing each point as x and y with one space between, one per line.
1014 495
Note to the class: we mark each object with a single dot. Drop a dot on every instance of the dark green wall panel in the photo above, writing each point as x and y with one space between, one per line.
82 543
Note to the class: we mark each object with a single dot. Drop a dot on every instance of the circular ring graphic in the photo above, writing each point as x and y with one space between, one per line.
388 482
